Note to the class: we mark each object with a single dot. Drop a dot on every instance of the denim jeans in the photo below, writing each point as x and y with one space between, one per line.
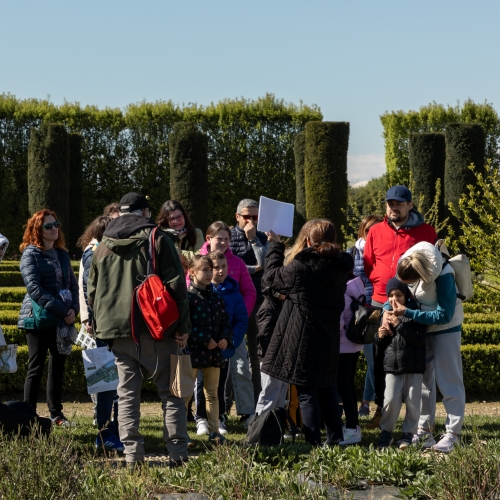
243 388
369 391
346 387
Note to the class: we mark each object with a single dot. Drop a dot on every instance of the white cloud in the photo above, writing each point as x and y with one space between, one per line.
362 168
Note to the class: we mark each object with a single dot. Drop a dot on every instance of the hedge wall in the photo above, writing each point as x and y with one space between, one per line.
325 172
250 151
76 228
427 158
189 171
299 151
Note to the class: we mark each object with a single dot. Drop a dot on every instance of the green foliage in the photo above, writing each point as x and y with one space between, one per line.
427 155
10 306
8 317
326 172
13 265
481 332
369 199
299 151
189 171
250 151
470 308
76 226
12 294
48 171
11 278
398 125
481 367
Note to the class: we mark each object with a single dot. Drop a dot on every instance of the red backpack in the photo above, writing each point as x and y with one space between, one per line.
153 301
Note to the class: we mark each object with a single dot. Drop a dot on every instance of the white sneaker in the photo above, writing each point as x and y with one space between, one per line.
222 427
447 442
351 436
423 439
201 426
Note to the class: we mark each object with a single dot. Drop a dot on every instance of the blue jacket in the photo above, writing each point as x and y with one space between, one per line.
236 310
39 277
359 270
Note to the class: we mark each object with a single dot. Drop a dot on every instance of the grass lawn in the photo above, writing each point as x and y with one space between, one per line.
66 466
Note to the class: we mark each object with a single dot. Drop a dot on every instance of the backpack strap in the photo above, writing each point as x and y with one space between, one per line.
446 262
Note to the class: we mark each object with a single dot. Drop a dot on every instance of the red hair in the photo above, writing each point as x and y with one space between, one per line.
33 234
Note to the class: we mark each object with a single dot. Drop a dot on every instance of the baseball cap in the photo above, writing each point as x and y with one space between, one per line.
398 193
134 201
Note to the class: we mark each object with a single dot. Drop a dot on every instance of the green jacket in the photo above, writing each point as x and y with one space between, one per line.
119 265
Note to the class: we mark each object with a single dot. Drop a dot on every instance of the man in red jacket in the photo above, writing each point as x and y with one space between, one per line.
402 228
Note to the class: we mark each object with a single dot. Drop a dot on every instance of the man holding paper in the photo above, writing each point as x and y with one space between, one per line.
251 246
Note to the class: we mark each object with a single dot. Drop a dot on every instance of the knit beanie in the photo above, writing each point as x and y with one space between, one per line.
395 283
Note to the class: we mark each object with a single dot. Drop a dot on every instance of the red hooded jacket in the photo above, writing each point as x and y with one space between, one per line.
385 244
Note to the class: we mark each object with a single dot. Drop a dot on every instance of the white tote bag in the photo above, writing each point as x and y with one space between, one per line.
8 362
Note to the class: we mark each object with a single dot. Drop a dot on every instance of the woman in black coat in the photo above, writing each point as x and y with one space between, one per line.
304 347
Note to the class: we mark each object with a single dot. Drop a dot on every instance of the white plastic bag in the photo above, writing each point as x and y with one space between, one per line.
8 355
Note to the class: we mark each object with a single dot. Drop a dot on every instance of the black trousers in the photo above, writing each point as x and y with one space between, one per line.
314 404
379 374
20 417
347 389
252 351
39 342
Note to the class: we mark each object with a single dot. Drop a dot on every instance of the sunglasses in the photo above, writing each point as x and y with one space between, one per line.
51 225
248 217
177 218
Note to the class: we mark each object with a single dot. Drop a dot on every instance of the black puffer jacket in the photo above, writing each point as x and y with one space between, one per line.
209 320
304 347
405 351
39 277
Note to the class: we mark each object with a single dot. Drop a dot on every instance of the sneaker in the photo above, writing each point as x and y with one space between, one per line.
447 442
406 440
201 426
351 436
61 421
364 410
110 442
423 439
216 438
385 440
374 423
222 427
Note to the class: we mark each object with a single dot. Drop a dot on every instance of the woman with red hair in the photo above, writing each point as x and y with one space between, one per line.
52 298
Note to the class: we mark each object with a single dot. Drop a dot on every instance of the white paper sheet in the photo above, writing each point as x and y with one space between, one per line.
100 370
276 216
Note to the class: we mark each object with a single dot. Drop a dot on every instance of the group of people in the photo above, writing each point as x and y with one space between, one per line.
256 318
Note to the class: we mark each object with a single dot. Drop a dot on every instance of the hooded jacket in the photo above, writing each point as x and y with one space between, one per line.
119 265
304 347
439 306
229 290
237 270
384 246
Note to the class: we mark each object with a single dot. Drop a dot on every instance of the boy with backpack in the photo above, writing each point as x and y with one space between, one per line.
403 343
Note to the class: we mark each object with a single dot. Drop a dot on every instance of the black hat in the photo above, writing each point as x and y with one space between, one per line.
395 283
134 201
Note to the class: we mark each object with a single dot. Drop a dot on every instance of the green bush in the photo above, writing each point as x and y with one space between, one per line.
325 172
480 333
11 278
10 306
8 318
48 171
13 265
299 151
12 294
482 317
471 308
481 367
427 157
189 171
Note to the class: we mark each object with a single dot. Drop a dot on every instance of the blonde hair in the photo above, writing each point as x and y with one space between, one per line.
300 243
414 267
367 223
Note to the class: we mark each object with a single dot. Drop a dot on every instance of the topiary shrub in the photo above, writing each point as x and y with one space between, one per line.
76 227
299 151
189 171
427 158
48 171
12 294
326 172
465 144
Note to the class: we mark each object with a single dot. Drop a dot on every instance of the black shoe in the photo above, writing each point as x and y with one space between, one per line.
385 440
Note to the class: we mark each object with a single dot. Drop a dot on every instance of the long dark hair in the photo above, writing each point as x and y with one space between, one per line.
94 230
162 221
323 238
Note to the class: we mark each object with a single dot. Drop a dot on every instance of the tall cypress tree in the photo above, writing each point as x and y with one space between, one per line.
76 226
465 144
189 171
427 158
48 171
299 150
326 172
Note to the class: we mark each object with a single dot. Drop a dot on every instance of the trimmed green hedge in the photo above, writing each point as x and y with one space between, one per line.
481 366
11 278
13 265
480 308
482 317
9 317
14 335
10 306
481 333
12 294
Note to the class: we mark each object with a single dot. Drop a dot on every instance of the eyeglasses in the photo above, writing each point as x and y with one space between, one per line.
175 219
50 225
248 217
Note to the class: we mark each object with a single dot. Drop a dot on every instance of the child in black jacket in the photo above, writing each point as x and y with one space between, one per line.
211 333
403 342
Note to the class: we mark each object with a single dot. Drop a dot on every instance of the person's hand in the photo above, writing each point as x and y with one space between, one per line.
222 344
393 320
250 230
181 339
212 344
184 262
383 332
281 296
70 317
272 237
88 328
398 309
258 268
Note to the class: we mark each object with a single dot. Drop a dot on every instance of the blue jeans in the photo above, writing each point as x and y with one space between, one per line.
369 392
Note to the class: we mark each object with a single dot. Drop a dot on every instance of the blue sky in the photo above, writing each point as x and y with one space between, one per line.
355 59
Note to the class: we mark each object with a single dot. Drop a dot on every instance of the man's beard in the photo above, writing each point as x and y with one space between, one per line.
395 217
